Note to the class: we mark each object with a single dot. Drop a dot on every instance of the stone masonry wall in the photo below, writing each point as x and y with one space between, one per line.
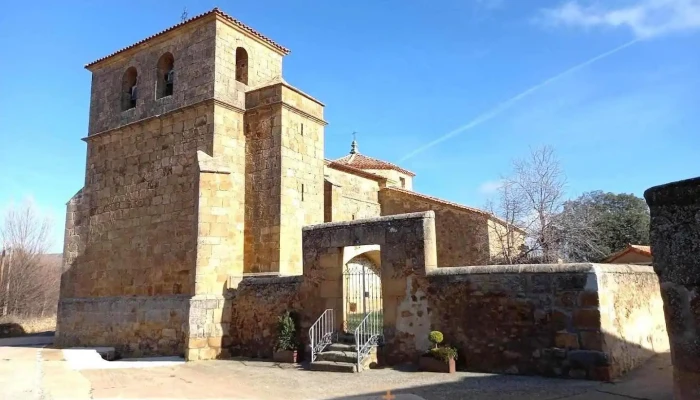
264 64
462 235
350 196
301 184
137 220
675 244
262 189
255 306
394 178
547 319
192 48
631 316
135 326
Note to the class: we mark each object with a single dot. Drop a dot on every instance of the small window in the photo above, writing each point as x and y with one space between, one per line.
302 192
241 65
353 217
129 94
403 182
166 76
302 129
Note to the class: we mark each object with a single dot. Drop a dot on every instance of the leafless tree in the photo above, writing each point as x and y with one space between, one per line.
29 277
530 201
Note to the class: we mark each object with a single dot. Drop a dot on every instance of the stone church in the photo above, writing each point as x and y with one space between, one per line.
203 166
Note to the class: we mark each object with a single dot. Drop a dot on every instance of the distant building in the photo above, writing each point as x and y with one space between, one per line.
632 254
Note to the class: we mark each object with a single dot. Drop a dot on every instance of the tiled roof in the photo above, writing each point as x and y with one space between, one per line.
354 171
635 248
361 161
216 11
451 204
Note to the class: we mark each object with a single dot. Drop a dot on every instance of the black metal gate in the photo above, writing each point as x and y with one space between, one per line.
362 286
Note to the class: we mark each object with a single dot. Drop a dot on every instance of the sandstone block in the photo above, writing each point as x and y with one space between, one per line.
587 319
566 340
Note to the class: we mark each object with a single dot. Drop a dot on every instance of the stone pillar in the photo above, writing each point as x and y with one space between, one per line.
675 244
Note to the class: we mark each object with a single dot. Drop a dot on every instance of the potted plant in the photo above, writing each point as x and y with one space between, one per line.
439 358
286 348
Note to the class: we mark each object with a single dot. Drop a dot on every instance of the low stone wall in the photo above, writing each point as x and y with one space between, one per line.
548 319
631 315
135 326
255 305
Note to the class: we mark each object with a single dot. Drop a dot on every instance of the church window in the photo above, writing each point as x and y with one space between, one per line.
165 76
302 192
302 129
129 94
241 65
403 182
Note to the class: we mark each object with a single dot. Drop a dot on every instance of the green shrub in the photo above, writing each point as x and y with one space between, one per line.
435 337
444 354
286 329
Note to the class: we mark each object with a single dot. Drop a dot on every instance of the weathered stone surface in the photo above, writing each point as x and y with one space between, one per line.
134 326
675 243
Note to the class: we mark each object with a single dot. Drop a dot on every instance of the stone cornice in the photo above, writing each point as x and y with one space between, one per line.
290 108
165 114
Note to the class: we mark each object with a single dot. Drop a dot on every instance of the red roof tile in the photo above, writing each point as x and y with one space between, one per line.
216 11
361 161
632 248
355 171
451 204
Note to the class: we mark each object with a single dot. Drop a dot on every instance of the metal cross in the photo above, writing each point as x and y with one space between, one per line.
183 17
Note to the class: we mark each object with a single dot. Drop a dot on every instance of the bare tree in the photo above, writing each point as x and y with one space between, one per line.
29 278
531 201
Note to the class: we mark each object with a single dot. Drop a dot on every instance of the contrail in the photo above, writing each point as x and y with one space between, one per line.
515 99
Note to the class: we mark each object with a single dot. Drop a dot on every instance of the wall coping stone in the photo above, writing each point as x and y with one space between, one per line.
685 192
272 280
388 218
543 269
121 298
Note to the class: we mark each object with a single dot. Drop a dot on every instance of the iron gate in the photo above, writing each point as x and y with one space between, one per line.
362 285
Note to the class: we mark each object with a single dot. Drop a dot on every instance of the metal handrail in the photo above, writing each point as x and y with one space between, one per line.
321 332
367 335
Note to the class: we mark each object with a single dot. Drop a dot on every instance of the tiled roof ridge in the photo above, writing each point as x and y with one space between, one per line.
645 250
452 204
216 11
387 165
352 170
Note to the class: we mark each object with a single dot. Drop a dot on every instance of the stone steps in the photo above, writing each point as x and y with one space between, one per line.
332 366
338 356
341 347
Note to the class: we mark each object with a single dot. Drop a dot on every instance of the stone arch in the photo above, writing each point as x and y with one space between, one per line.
362 288
165 74
242 65
129 93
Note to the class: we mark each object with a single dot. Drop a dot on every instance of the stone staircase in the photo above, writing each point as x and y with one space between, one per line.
340 356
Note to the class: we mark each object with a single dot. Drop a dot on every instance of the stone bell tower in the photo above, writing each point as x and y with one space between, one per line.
202 164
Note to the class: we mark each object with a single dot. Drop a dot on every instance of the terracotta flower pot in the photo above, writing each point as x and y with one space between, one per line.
285 356
431 364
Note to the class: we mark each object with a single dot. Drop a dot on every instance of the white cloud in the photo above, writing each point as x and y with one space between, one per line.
645 18
490 187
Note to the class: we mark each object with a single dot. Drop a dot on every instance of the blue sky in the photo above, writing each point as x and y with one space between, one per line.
496 76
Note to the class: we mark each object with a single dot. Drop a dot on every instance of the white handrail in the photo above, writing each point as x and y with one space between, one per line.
321 332
368 334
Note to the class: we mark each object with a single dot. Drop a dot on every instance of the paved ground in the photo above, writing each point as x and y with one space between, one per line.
36 372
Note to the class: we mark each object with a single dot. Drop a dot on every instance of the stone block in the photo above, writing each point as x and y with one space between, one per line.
197 343
587 359
588 299
591 340
586 319
214 342
566 340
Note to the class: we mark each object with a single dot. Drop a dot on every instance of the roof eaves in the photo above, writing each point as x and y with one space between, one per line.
215 11
355 171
